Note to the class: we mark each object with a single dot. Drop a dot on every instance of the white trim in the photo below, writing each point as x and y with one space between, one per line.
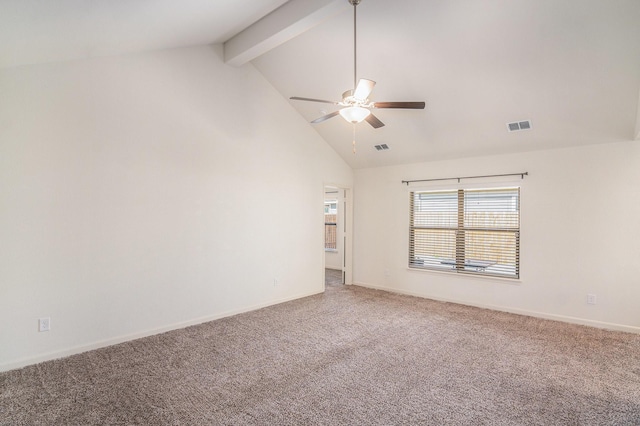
451 273
535 314
23 362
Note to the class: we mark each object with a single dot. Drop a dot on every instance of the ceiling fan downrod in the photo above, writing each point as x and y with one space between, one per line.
355 3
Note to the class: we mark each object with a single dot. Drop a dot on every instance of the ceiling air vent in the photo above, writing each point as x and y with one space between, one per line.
381 147
519 125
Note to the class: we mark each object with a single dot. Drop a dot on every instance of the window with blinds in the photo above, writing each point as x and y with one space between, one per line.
470 231
330 225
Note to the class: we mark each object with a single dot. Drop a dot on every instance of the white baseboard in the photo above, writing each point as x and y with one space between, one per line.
120 339
536 314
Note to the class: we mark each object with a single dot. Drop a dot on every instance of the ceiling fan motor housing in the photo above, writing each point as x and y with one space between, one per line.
349 100
347 94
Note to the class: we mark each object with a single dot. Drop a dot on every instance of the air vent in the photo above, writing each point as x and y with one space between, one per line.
381 147
519 125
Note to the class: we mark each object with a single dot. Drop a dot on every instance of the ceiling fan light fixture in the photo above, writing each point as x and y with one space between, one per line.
354 114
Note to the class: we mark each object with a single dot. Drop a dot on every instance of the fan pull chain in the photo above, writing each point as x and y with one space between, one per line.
354 139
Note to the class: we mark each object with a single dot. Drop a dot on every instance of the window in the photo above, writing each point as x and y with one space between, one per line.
472 231
330 224
331 207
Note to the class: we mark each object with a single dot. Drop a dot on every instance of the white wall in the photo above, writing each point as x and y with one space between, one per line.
580 234
333 259
145 192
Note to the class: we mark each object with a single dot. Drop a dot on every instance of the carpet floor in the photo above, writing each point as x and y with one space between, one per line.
350 356
332 277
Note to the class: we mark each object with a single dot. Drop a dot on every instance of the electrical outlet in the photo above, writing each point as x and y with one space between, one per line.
591 299
44 324
275 282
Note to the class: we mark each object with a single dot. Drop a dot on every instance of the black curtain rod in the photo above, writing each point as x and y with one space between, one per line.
522 175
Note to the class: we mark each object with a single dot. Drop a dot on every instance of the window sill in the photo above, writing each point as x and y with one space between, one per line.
505 280
331 250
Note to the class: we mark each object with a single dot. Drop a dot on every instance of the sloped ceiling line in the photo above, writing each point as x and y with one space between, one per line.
637 132
283 24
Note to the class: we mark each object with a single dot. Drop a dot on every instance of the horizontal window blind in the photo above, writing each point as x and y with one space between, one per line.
474 231
330 231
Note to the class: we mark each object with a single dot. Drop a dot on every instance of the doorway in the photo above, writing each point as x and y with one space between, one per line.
337 235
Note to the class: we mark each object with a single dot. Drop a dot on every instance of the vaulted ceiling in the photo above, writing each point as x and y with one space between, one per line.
570 67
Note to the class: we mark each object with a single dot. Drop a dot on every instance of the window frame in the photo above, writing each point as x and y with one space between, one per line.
458 233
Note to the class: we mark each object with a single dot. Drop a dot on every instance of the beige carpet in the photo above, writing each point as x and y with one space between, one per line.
351 356
332 277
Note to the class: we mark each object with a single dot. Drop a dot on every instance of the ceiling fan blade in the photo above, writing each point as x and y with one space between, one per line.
363 89
373 120
405 105
325 117
297 98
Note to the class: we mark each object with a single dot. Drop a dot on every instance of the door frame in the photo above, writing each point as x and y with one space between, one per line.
346 206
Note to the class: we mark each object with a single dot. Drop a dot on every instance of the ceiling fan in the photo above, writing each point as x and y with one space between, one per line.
355 103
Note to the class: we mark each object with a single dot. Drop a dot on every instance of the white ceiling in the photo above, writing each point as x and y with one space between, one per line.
38 31
572 67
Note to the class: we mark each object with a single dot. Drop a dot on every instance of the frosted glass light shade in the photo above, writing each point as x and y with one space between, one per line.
354 114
